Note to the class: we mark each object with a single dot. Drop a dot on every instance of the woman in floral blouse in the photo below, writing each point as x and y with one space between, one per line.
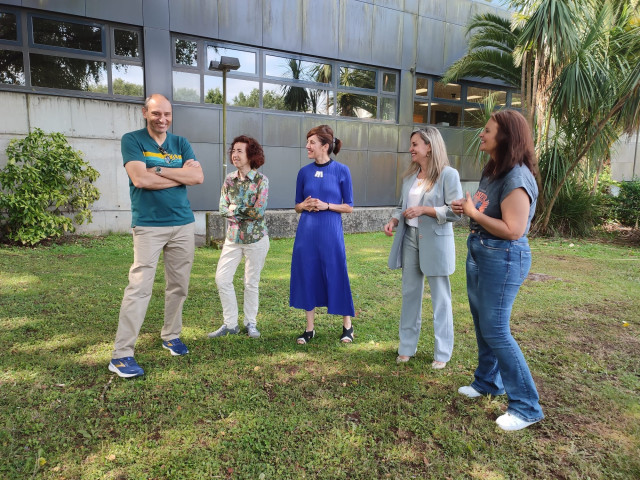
243 201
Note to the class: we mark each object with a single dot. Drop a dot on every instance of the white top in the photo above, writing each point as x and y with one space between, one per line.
413 200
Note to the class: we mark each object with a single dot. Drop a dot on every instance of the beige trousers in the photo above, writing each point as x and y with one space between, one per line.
178 245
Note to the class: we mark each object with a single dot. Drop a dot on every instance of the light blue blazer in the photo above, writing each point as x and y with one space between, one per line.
436 247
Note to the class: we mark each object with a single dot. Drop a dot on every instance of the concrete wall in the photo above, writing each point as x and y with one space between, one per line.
625 162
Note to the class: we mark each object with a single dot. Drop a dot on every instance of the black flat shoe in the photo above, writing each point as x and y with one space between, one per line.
305 337
347 335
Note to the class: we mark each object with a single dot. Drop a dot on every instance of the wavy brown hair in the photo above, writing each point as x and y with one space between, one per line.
515 144
325 134
255 154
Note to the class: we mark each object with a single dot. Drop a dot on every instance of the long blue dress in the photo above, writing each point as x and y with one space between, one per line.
319 275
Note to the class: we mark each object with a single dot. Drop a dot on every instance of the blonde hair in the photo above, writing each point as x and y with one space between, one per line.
438 160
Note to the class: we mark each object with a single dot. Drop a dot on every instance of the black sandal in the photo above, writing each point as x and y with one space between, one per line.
305 337
347 335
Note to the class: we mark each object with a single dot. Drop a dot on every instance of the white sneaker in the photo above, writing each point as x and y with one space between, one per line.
252 331
512 423
469 391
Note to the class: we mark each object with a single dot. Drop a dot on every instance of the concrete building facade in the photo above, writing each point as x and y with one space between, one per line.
368 68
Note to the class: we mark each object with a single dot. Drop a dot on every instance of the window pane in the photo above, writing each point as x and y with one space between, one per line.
127 80
297 69
388 108
389 82
127 43
8 26
422 86
240 93
243 93
186 87
186 52
213 89
450 91
11 67
68 73
247 59
516 100
361 106
445 115
477 95
420 112
473 117
294 98
357 77
67 34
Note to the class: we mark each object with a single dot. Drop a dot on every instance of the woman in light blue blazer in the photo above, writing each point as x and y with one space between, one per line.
423 245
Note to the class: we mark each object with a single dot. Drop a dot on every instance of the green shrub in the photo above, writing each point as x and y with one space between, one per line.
44 179
627 204
577 211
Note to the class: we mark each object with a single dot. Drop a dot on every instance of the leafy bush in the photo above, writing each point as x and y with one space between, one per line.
627 204
577 211
44 179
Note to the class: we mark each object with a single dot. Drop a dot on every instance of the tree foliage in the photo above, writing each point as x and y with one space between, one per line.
46 188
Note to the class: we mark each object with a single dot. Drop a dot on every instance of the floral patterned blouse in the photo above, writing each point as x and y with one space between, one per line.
243 203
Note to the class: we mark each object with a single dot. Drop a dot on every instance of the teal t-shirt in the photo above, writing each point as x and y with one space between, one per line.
158 208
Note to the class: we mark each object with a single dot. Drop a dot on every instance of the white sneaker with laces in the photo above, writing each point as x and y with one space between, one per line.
469 391
252 331
511 423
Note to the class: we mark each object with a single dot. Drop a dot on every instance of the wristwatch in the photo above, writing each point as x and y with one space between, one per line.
158 170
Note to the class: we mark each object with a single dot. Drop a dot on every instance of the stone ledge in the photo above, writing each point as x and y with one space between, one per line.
283 223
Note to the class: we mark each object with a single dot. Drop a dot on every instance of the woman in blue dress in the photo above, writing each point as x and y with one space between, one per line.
319 275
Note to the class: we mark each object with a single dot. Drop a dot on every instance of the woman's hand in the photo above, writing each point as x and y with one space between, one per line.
464 206
413 212
388 228
310 204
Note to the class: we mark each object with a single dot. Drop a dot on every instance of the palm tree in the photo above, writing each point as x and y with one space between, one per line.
295 99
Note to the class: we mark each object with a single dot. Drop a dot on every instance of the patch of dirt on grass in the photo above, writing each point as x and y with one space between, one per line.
540 277
621 235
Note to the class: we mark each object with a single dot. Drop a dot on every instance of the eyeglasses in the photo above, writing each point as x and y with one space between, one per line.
167 155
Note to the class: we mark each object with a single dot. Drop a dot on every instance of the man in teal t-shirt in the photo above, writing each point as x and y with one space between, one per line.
160 165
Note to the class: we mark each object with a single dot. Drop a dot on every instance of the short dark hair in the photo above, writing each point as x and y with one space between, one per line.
515 144
325 134
255 154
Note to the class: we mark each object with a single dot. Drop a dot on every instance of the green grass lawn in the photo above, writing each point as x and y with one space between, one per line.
241 408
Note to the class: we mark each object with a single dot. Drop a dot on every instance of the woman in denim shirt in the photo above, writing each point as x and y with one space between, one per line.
243 201
498 261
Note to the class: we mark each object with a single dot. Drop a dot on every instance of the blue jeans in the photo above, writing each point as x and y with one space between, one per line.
495 271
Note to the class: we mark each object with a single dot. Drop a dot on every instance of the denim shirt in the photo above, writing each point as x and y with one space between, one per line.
243 203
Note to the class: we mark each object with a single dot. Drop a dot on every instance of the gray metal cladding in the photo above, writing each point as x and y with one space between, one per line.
381 174
431 45
281 167
356 30
358 165
201 21
240 21
320 28
387 37
282 130
282 25
207 195
198 124
124 11
157 76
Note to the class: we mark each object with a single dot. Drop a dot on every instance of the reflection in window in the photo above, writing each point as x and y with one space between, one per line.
11 67
127 80
445 114
516 100
389 82
357 77
285 67
126 43
186 87
388 108
360 106
68 73
8 26
420 112
478 95
213 89
474 117
294 98
240 93
186 52
56 33
450 91
247 59
422 86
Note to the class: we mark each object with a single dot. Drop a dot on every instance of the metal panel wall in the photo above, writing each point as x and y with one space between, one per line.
202 21
156 13
157 60
240 21
387 37
381 174
431 45
356 28
282 25
72 7
320 28
358 165
123 11
281 167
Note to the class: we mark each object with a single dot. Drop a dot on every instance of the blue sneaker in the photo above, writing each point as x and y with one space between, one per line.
125 367
176 347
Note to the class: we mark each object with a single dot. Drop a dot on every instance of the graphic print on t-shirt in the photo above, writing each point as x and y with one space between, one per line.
480 201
